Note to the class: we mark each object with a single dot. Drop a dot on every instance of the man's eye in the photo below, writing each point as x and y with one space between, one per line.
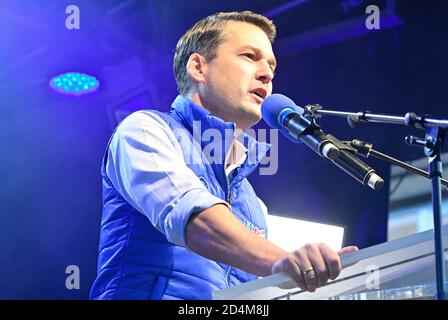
251 56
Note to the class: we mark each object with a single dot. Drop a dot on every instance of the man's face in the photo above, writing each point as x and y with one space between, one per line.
239 78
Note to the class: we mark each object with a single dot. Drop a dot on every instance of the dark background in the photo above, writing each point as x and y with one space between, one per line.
51 145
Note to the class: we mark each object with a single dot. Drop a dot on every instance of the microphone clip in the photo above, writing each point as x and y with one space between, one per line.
340 146
312 110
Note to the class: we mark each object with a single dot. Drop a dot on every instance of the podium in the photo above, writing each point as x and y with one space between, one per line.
395 270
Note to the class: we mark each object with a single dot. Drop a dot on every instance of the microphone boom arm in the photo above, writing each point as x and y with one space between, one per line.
410 119
366 149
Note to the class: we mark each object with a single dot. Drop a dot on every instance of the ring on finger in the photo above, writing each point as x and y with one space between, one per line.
307 271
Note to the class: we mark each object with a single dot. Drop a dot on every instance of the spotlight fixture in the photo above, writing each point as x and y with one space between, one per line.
74 83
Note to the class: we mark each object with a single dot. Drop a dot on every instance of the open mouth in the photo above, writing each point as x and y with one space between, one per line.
260 94
257 96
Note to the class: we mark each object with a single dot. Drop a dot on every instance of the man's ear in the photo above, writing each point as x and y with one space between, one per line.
196 67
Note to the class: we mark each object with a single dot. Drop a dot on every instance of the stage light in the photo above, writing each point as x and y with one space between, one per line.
74 83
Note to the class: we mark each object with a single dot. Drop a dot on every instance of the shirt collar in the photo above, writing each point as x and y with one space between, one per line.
235 157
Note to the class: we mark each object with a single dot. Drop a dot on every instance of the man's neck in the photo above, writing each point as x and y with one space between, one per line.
196 98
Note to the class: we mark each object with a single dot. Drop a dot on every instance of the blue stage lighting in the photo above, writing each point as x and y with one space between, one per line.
74 83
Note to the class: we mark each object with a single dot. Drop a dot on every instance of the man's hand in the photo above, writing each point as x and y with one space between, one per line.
312 265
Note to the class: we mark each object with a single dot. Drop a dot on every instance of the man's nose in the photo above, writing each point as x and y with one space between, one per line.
264 73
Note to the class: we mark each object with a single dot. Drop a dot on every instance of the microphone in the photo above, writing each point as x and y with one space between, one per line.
281 113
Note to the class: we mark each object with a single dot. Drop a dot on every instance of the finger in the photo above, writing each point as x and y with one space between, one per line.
307 269
348 249
332 261
289 266
316 259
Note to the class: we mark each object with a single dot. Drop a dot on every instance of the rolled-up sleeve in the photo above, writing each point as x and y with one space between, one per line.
146 165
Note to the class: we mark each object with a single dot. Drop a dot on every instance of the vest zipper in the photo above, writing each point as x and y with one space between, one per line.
229 192
229 201
229 197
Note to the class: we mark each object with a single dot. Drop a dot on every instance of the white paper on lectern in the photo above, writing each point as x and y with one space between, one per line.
290 234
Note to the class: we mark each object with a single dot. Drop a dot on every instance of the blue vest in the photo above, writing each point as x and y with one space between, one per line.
137 262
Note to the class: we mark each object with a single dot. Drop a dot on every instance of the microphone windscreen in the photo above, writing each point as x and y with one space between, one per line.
271 108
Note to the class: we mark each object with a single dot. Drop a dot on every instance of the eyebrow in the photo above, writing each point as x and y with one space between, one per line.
272 62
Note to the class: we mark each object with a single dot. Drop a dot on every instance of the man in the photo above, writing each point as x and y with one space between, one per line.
173 228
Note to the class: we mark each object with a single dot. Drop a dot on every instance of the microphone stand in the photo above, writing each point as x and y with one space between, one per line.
432 144
365 149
